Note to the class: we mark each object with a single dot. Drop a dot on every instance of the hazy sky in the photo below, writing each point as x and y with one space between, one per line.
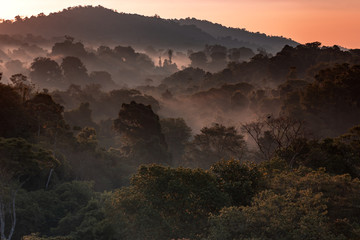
328 21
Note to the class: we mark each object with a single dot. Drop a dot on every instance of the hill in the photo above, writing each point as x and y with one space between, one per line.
232 37
104 26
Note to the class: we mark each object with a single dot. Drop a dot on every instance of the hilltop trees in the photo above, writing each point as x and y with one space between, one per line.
69 48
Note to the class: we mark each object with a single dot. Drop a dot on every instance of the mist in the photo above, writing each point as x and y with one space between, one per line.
121 126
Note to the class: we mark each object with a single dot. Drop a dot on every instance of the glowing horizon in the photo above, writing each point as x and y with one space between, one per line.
330 22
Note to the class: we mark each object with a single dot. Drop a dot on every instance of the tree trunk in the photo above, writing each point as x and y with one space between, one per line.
48 181
13 215
2 219
12 211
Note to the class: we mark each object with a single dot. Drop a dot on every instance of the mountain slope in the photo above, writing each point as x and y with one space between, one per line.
237 35
98 24
105 26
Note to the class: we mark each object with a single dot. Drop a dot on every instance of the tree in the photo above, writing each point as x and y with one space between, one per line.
46 72
198 60
74 70
141 134
14 119
125 53
177 135
22 86
47 114
234 54
330 104
213 144
80 117
335 156
241 181
103 78
293 215
170 54
340 192
87 138
19 162
69 48
274 134
167 203
218 56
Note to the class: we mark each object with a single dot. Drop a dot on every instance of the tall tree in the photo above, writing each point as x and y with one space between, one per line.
46 72
14 120
272 134
74 70
213 144
141 134
19 162
177 135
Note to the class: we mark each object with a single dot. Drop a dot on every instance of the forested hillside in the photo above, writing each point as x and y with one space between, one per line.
98 25
232 37
110 142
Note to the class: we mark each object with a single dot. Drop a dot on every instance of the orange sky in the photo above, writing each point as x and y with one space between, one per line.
328 21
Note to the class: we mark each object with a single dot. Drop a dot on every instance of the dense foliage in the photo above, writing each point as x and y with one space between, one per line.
267 148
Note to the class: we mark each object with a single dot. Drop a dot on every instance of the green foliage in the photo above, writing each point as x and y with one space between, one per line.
87 138
142 139
338 155
21 160
291 215
305 189
48 116
352 139
80 117
53 212
213 144
330 104
14 120
46 72
334 156
340 190
165 203
35 236
241 181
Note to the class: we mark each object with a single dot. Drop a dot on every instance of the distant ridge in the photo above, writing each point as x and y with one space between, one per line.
104 26
228 35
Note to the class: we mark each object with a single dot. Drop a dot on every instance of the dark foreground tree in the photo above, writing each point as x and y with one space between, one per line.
166 203
19 162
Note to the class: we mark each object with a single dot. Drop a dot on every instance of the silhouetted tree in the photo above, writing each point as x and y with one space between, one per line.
46 72
142 138
198 60
74 70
